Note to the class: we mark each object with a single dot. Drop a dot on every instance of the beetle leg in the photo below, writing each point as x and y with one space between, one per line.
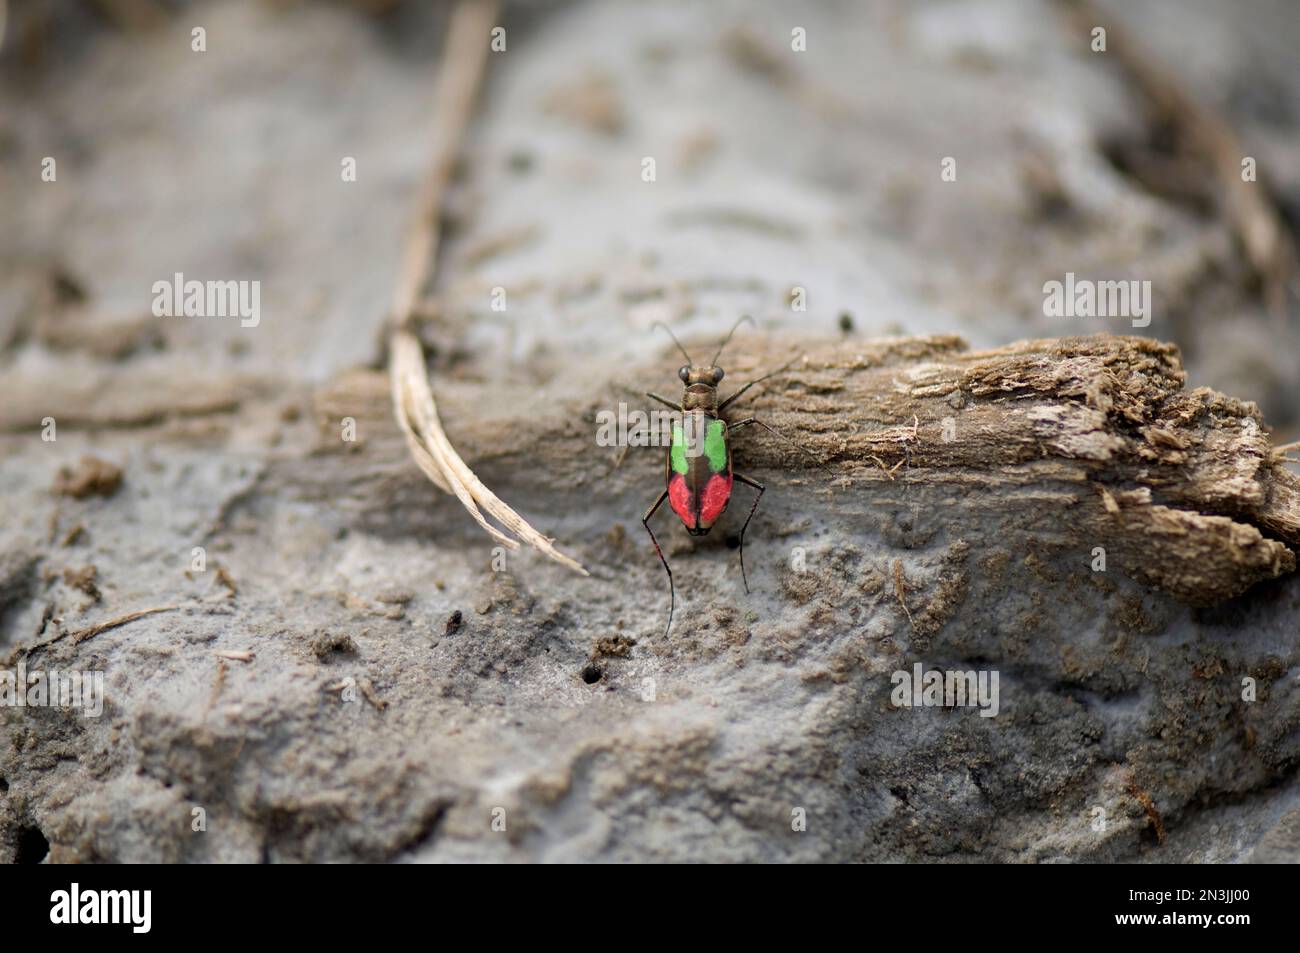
639 439
672 591
666 402
736 396
772 430
622 453
618 462
761 489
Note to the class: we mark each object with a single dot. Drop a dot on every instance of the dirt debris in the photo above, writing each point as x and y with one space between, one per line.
84 579
325 645
89 477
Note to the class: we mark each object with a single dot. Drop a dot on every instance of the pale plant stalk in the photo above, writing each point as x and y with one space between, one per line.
459 76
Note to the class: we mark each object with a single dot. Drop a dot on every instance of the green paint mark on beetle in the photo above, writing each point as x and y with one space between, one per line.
678 452
715 446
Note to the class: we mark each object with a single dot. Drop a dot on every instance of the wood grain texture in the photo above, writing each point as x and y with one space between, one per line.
1085 442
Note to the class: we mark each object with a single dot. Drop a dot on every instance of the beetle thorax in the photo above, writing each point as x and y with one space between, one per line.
701 397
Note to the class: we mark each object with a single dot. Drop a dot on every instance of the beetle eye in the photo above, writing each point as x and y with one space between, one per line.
684 372
717 375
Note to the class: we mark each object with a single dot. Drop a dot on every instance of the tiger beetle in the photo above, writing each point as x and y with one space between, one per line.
697 470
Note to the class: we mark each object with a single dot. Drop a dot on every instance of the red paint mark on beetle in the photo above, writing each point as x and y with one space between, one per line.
681 500
716 494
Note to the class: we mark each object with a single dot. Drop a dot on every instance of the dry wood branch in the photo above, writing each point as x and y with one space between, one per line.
81 635
1075 443
414 406
78 636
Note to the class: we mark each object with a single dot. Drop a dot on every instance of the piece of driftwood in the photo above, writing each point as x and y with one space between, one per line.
1076 443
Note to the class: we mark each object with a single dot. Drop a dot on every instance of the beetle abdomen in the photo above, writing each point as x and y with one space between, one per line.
699 471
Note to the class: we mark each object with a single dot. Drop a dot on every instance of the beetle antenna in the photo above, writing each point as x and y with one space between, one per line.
727 339
660 324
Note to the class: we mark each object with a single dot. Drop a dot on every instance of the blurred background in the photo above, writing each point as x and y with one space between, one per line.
893 167
793 148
